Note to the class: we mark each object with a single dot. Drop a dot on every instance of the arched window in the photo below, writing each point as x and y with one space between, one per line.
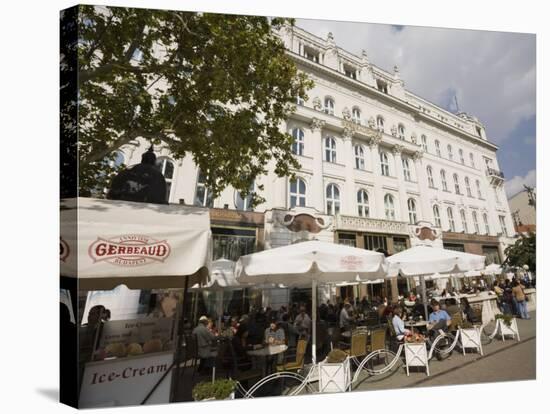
380 123
451 219
363 203
389 207
461 156
333 199
297 193
464 221
401 131
244 203
443 180
486 222
472 162
298 143
411 204
437 216
166 167
457 185
406 169
384 164
356 115
359 157
450 151
424 142
430 173
468 189
437 148
476 223
478 187
329 106
330 149
203 196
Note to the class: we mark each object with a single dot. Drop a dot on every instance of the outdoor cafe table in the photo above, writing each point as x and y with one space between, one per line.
266 352
413 324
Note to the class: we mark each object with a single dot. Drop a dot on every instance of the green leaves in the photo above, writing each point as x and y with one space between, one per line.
215 86
523 252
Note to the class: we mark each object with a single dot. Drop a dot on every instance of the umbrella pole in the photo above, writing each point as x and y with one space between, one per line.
314 321
424 296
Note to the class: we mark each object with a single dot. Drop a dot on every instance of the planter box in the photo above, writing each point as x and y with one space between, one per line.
511 330
334 377
416 355
470 338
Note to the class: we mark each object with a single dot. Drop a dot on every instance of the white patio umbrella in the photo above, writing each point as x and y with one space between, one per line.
423 261
493 269
222 279
310 263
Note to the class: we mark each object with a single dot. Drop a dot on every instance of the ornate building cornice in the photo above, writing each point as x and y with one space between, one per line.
316 124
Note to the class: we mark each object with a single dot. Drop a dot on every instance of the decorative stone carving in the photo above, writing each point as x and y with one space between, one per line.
346 114
417 155
397 149
317 104
413 137
304 222
316 124
347 133
365 224
394 130
374 140
330 39
425 234
372 122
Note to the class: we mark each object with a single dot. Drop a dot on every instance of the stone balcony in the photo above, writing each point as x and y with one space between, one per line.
370 225
495 176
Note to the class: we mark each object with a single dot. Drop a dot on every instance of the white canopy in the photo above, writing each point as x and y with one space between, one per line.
493 269
222 276
301 263
426 260
140 245
310 262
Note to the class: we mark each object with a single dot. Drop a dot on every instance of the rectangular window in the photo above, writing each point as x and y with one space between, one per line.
231 243
399 244
502 220
491 255
347 239
375 241
454 246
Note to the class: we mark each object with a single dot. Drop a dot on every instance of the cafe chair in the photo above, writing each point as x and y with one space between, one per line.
358 347
294 361
377 340
456 321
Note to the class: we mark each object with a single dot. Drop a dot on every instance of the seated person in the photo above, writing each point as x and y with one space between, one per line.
274 335
302 323
468 310
451 306
398 324
346 319
438 319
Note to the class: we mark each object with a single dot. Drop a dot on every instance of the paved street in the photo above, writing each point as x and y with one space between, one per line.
503 361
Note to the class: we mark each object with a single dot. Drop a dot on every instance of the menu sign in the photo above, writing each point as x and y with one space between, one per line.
135 337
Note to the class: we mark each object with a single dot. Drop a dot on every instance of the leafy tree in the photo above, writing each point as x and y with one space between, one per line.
523 251
210 85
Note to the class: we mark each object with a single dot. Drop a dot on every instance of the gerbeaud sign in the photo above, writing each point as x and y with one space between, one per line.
126 381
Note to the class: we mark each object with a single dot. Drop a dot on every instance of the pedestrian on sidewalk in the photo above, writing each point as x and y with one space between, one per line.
519 296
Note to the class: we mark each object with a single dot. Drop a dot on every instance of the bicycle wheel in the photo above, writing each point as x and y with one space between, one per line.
443 346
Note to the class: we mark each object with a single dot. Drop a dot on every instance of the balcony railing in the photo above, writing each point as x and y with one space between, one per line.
495 173
366 224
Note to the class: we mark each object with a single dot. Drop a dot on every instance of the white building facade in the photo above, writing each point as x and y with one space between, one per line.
376 160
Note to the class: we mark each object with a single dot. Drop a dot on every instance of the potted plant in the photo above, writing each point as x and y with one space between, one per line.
335 372
221 389
507 325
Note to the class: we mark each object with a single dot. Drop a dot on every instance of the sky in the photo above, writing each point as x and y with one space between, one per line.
492 74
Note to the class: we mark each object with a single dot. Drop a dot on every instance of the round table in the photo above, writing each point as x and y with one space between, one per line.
413 324
266 352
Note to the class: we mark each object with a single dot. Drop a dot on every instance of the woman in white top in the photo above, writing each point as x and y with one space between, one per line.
398 324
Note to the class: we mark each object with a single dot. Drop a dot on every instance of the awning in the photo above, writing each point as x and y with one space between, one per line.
140 245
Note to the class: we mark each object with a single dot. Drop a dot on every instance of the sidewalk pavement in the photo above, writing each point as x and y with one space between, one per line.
440 370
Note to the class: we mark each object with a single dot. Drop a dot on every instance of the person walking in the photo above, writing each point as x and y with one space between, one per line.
519 296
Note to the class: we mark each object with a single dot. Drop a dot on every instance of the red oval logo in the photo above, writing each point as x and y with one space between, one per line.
129 250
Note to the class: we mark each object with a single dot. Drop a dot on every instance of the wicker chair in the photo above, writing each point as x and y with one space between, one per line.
297 363
377 340
456 321
358 346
